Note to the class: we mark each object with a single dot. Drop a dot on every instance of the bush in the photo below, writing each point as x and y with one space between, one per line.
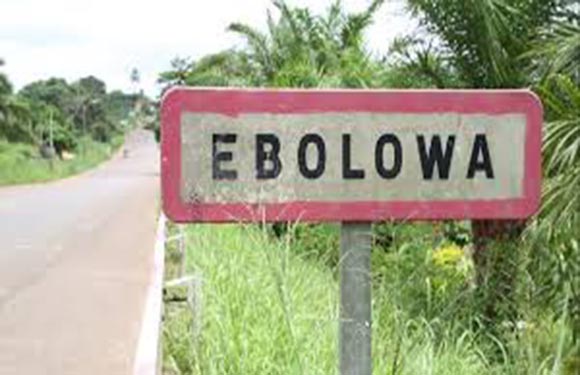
22 163
271 307
319 242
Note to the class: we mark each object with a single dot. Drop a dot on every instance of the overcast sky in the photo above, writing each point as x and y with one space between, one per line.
107 38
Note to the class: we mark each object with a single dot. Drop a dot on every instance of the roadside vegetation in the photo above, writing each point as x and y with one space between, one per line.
23 163
269 305
441 305
52 129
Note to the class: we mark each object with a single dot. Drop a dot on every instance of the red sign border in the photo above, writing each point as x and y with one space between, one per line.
232 102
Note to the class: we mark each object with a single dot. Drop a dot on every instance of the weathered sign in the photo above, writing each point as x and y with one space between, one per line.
284 155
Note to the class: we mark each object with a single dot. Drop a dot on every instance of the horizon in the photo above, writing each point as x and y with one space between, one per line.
66 38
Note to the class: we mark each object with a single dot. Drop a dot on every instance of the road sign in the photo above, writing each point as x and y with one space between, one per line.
318 155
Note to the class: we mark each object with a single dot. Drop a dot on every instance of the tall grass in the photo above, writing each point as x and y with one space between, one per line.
270 306
265 311
22 163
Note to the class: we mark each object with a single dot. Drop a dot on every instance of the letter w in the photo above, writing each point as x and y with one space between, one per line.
434 155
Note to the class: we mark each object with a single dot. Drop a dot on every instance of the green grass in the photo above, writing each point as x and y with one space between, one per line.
265 311
270 307
21 163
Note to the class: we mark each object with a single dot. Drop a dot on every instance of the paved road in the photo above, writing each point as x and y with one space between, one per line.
75 259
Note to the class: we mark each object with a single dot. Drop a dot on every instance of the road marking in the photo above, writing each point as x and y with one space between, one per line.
146 357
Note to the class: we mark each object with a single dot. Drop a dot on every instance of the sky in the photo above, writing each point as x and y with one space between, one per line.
108 38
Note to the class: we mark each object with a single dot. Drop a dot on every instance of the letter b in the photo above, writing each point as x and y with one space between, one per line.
272 156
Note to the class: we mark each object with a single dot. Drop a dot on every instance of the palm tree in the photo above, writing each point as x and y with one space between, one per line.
16 120
5 92
485 41
14 113
298 49
558 55
558 50
304 50
561 151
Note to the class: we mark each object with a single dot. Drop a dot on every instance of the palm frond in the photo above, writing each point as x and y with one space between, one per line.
561 202
352 32
288 16
485 38
258 43
561 147
561 152
558 49
254 37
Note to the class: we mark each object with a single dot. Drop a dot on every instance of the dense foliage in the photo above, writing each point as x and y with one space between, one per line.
298 49
56 114
523 313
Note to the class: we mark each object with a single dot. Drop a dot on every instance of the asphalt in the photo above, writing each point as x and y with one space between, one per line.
75 260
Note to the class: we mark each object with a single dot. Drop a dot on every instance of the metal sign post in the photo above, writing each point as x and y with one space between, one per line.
355 299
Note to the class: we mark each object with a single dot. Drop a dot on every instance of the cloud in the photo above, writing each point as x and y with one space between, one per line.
107 38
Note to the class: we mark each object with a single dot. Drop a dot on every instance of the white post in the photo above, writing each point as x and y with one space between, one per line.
182 251
195 299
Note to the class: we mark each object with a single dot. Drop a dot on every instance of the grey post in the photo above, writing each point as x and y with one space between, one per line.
355 299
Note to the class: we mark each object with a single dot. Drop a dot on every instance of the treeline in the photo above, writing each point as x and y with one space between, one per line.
56 115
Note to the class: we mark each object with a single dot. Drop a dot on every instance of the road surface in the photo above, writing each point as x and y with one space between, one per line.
75 260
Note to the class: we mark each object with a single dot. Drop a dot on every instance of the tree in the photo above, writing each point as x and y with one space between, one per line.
485 41
82 105
53 91
52 104
557 50
484 44
135 76
561 151
15 117
414 63
92 86
5 92
299 49
181 69
556 56
14 113
226 68
90 114
303 50
119 105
